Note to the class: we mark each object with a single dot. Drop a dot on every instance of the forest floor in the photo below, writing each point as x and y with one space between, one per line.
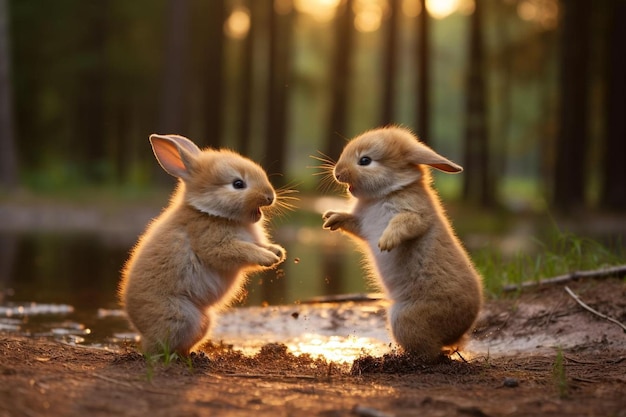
561 360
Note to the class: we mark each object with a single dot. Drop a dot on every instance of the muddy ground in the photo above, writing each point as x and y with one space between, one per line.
537 353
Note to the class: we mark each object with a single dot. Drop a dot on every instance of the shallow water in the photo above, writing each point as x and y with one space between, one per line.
63 285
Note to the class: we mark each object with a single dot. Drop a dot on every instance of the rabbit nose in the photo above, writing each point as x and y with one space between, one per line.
270 199
340 176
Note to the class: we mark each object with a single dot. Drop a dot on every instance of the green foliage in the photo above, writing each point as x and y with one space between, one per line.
563 253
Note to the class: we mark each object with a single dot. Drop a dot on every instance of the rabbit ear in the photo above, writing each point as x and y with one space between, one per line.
422 154
175 154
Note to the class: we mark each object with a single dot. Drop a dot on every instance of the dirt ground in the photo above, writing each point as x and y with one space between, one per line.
546 356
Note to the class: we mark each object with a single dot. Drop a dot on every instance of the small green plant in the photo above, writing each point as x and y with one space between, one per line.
563 253
559 375
167 357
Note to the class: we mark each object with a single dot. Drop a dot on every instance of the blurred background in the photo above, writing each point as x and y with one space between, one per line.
527 95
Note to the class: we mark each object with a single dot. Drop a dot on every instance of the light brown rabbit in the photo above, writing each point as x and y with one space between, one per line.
193 258
435 291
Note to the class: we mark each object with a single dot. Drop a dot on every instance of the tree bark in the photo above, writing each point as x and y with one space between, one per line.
390 62
90 99
337 126
213 100
8 151
569 173
247 83
613 194
422 124
477 181
278 87
172 106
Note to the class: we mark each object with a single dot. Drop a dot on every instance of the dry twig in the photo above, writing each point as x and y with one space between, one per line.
596 312
613 271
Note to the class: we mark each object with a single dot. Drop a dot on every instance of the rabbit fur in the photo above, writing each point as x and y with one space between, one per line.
193 258
413 252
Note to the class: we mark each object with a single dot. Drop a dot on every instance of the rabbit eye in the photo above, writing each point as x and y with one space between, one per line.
239 184
365 160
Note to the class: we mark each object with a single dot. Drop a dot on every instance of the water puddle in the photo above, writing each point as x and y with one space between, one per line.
339 332
336 331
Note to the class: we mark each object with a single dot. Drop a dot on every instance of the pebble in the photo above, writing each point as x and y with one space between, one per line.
510 382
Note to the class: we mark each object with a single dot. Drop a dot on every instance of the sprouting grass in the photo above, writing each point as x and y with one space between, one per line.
166 357
559 375
563 253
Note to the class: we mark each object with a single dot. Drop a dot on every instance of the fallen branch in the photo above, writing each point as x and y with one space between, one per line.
618 271
597 313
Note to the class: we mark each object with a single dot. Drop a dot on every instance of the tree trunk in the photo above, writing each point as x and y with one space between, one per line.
390 62
90 127
213 100
172 106
278 83
613 194
422 124
247 84
477 180
8 151
570 167
337 126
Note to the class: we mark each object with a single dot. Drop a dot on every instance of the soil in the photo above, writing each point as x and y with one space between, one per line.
536 353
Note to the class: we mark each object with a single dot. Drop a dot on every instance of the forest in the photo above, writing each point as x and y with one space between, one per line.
528 95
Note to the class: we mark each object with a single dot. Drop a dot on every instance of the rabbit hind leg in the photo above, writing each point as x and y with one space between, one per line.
414 333
179 332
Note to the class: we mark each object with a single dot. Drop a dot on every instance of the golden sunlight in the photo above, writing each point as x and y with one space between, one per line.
320 10
411 8
544 12
336 348
237 25
440 9
368 15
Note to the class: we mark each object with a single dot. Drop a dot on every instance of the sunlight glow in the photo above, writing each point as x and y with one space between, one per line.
411 8
368 15
283 7
337 348
544 12
440 9
237 25
320 10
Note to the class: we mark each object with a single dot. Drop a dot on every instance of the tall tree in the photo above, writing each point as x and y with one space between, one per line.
569 168
478 181
613 195
214 95
280 36
176 36
247 84
90 98
423 73
340 76
390 62
8 152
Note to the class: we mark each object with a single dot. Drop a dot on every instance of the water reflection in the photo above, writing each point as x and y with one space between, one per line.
64 285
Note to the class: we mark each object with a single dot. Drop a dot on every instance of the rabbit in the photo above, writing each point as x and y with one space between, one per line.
434 289
193 258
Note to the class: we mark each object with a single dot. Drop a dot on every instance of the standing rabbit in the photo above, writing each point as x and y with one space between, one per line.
193 258
435 291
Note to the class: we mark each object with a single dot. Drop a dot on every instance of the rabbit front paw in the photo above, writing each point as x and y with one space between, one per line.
269 258
277 250
389 240
334 220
